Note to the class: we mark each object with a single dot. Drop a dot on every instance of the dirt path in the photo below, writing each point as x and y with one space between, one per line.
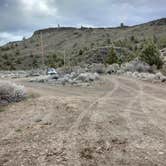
117 122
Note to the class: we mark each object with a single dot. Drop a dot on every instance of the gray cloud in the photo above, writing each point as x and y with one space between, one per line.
21 17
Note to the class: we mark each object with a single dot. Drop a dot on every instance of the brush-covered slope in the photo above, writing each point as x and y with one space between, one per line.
78 45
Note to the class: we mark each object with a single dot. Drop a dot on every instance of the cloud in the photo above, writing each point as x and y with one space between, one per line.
38 8
5 37
22 17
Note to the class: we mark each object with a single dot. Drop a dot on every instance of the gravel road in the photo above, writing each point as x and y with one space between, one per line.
117 122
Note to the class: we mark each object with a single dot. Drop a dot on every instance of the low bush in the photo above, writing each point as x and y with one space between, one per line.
151 55
112 57
163 70
11 92
136 66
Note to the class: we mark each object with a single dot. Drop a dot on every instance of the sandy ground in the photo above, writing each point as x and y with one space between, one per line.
117 122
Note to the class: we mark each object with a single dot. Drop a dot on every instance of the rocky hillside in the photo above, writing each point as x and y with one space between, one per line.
83 45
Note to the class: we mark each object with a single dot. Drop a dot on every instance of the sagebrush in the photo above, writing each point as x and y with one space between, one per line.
151 55
11 92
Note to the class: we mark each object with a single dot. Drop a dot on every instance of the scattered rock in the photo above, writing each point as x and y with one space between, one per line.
41 79
147 76
73 78
38 120
97 68
88 77
112 69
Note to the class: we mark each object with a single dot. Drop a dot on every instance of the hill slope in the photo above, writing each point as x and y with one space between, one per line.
78 45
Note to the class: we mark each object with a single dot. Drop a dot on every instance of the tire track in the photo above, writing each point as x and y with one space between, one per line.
86 111
109 96
148 113
72 134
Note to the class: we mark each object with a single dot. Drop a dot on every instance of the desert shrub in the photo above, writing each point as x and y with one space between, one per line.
37 44
129 57
155 39
7 62
92 45
136 65
5 48
18 61
17 52
80 52
163 70
10 92
54 60
60 62
5 56
151 55
162 43
112 57
132 38
35 63
135 48
12 67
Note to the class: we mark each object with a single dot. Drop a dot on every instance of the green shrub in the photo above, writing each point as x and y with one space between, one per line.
80 52
151 55
17 52
18 61
112 57
53 60
132 38
35 63
5 56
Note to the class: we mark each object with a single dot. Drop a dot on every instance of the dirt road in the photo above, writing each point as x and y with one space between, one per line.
117 122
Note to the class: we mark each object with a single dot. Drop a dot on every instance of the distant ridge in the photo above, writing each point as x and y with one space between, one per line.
161 21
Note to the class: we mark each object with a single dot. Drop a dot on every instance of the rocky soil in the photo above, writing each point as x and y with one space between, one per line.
118 121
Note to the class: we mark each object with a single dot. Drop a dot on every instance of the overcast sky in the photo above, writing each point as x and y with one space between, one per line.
20 18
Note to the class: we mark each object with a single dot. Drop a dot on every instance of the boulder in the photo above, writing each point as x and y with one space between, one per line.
160 76
97 68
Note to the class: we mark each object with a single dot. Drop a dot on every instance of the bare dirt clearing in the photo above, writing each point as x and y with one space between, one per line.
118 122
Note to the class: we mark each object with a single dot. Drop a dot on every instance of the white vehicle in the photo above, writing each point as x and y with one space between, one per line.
51 71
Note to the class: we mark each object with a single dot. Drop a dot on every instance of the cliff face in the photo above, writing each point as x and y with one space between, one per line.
51 30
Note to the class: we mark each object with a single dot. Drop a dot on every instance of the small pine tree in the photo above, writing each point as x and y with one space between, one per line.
132 38
151 55
112 57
